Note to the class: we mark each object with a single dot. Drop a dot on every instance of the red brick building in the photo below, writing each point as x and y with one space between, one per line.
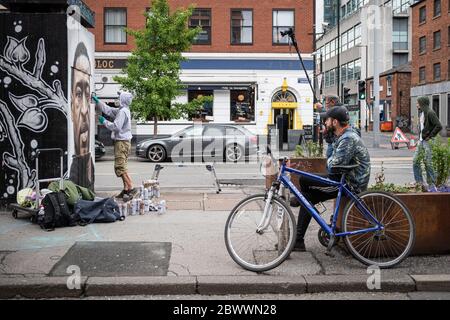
239 58
430 74
220 23
394 98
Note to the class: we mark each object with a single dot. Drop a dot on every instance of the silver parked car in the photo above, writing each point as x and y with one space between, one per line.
231 143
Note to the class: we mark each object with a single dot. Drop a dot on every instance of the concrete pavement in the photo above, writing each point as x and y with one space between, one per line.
199 263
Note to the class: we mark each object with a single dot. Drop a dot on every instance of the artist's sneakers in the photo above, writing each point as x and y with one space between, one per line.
132 193
121 194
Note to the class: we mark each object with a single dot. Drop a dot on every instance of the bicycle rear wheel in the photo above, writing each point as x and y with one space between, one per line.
385 248
265 250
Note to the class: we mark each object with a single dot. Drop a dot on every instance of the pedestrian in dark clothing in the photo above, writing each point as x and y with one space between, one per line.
429 127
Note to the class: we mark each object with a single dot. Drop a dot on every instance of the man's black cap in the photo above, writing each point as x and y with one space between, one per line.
339 113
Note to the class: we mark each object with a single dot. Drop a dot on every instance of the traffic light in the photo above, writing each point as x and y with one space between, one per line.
361 90
346 95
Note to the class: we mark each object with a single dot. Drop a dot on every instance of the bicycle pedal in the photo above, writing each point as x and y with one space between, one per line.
331 243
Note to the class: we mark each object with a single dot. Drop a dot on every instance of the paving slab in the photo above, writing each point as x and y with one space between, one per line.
184 205
357 283
250 284
38 287
116 258
432 282
100 286
30 261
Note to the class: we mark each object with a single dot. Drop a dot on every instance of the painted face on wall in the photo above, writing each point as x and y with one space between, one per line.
80 103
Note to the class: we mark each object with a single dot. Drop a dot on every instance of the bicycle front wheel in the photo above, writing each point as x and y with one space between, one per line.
385 248
260 250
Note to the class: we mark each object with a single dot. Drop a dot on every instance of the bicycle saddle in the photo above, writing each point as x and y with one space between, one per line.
344 168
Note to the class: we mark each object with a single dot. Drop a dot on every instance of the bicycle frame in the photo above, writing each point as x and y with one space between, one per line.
343 189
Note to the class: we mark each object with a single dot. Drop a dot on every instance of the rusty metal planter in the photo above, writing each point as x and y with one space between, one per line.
431 214
311 165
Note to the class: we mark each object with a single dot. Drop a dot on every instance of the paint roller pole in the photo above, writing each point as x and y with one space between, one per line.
291 35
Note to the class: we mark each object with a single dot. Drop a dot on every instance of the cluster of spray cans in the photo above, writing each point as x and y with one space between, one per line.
148 201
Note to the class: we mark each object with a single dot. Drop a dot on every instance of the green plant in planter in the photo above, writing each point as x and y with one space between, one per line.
440 160
309 150
380 185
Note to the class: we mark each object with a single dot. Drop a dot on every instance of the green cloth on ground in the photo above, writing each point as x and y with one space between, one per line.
73 192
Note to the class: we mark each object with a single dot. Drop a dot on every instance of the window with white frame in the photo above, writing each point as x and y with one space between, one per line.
357 34
389 86
115 24
400 6
344 42
282 21
357 70
387 111
241 26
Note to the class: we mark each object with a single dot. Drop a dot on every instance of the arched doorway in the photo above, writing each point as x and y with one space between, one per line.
284 105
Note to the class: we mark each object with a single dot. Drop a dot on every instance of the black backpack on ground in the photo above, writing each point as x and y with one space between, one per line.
104 210
56 212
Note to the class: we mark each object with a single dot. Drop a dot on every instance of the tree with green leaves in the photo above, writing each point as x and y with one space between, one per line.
153 68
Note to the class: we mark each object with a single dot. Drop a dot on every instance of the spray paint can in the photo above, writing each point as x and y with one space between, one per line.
156 192
125 209
146 206
162 207
120 208
150 192
141 207
141 191
133 207
145 194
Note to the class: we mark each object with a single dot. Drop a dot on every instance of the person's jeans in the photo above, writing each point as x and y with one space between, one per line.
423 146
315 192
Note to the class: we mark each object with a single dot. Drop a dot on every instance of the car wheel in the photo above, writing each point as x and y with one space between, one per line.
233 153
156 153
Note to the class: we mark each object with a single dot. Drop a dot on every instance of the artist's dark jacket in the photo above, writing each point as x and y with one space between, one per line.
431 124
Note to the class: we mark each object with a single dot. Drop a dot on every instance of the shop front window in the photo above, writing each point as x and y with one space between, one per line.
206 112
242 105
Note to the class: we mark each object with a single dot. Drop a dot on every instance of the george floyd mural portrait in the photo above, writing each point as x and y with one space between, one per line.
81 127
45 81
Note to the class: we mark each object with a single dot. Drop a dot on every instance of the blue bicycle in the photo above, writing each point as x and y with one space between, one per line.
260 232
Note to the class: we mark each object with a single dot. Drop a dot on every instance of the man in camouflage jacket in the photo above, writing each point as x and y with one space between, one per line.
348 149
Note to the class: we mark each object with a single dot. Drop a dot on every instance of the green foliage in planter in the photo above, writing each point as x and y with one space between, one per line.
440 159
380 185
309 150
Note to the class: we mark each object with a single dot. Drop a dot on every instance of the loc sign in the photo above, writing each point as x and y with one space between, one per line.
110 63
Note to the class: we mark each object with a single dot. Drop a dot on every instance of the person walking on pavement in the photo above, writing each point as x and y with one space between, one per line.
330 102
429 127
346 150
121 135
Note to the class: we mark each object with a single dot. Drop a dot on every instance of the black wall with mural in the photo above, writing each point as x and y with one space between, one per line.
33 97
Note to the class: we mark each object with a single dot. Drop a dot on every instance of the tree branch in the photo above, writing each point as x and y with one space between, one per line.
29 80
18 160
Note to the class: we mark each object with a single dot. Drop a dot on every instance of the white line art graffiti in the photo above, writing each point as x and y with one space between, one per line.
31 107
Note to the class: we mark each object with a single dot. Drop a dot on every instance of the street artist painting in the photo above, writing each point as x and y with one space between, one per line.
82 133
